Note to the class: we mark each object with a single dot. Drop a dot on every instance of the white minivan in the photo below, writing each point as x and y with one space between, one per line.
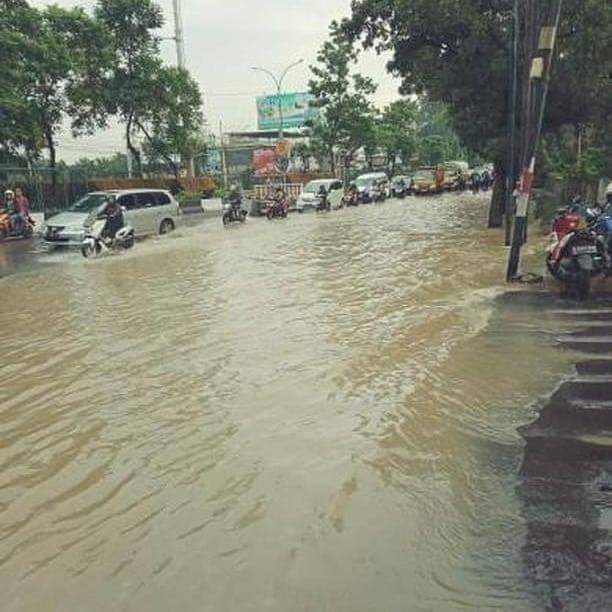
148 211
308 198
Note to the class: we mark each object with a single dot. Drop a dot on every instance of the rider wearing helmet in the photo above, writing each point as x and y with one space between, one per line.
114 218
11 209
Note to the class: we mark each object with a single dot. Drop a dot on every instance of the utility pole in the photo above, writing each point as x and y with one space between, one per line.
541 68
223 158
512 95
178 34
180 61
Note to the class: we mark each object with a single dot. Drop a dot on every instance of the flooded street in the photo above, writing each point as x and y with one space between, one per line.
313 414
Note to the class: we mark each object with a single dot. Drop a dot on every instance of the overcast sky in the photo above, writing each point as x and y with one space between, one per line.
223 39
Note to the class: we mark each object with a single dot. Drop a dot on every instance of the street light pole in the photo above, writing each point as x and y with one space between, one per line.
278 81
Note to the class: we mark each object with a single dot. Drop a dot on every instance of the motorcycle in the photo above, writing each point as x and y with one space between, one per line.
234 213
351 198
576 254
96 243
323 204
277 209
7 229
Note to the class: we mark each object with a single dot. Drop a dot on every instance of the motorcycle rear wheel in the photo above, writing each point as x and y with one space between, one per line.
583 285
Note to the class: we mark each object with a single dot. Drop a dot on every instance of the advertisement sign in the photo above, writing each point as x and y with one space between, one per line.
295 107
264 162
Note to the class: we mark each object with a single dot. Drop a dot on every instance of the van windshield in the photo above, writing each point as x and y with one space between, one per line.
363 182
424 174
313 187
90 202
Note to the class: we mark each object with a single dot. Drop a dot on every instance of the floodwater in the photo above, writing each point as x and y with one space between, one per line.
312 414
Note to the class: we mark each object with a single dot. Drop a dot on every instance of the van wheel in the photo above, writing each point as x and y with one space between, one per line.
167 225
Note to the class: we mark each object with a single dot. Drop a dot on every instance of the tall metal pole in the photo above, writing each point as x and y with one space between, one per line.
512 95
548 38
178 34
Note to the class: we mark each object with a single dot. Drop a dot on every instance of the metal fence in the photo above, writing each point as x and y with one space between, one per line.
45 192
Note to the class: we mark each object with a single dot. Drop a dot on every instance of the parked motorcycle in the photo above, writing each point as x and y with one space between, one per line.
96 243
7 230
234 213
350 198
277 209
576 254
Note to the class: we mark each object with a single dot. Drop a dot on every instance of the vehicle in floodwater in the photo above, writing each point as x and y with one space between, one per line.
7 230
576 254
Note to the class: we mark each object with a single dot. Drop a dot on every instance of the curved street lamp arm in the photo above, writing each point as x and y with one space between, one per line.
270 74
287 69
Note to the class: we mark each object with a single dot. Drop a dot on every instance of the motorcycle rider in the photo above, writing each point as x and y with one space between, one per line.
22 207
235 200
114 219
475 180
486 180
279 198
12 211
322 195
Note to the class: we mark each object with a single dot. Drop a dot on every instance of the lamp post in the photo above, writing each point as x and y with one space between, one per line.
278 81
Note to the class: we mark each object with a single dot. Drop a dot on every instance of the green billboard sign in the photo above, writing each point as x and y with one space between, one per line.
296 110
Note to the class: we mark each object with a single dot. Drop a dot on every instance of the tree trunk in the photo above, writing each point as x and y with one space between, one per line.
498 198
169 160
332 161
52 164
132 149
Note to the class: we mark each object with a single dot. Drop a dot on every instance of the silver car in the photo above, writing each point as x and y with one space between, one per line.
148 211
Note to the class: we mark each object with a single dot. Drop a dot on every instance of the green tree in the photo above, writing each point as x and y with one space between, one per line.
397 132
456 52
172 123
344 99
54 56
132 27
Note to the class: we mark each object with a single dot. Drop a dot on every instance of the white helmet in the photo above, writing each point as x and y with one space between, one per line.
9 192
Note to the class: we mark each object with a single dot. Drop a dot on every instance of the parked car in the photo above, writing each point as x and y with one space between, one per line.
148 211
401 186
308 199
372 186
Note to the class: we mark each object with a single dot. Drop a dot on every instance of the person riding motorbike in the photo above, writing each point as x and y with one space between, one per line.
115 219
12 211
22 207
475 181
323 201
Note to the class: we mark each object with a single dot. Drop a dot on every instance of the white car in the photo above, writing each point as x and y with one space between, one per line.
368 186
308 198
148 211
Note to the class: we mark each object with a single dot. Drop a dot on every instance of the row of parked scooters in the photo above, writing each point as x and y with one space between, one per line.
581 246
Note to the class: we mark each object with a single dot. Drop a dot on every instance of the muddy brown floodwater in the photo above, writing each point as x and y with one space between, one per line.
312 414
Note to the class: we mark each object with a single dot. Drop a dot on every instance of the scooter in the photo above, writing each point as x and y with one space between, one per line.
96 243
576 254
351 198
8 231
323 204
277 209
234 213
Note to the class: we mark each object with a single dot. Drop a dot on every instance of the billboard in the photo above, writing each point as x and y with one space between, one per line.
296 109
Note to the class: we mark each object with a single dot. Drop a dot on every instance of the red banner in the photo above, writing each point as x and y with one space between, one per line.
264 162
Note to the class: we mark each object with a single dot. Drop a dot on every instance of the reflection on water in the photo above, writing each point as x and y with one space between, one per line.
317 414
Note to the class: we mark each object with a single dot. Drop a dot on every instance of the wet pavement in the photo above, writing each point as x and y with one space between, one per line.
321 413
567 471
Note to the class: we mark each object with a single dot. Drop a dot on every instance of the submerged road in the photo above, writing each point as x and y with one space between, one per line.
321 413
